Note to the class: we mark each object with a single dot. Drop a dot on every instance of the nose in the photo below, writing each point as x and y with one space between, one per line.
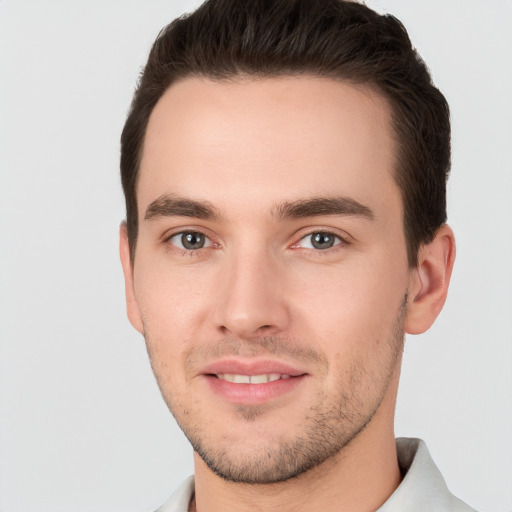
252 297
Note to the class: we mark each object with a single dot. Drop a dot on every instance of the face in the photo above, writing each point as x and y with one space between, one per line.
270 278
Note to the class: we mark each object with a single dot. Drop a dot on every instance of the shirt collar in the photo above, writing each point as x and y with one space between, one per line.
423 488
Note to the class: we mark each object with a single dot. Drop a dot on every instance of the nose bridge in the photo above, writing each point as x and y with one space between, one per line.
251 299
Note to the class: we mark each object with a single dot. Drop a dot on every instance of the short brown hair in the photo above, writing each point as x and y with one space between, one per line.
336 39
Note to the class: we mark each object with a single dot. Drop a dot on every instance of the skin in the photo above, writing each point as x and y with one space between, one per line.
231 160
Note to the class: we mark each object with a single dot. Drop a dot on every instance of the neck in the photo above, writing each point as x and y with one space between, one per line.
360 478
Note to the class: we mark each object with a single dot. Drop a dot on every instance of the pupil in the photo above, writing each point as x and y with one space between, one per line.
192 240
322 240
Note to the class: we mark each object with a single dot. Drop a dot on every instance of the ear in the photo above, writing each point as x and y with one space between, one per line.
429 281
132 306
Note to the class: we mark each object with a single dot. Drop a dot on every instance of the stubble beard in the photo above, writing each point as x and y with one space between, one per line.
332 423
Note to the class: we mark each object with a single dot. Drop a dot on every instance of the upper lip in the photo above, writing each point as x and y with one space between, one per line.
245 367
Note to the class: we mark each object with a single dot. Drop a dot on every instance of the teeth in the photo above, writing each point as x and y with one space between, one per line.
261 379
252 379
241 379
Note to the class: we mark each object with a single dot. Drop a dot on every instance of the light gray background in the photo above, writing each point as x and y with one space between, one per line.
82 425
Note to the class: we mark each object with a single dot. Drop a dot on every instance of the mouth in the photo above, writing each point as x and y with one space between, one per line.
252 379
250 383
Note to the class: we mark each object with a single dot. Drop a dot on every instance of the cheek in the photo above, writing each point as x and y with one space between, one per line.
173 304
170 309
350 307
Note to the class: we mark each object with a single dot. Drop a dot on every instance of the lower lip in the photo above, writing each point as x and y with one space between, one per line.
248 394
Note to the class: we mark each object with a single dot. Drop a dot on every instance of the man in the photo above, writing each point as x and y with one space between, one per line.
284 165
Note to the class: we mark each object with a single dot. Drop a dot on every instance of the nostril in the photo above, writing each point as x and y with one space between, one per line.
265 329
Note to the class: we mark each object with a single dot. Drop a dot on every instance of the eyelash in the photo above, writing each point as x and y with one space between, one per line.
183 251
341 242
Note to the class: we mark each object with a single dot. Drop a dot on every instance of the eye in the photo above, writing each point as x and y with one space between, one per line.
190 241
319 240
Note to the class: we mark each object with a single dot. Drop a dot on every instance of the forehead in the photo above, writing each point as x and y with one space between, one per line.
263 141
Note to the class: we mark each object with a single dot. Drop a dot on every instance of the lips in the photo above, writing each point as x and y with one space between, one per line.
250 368
251 382
252 379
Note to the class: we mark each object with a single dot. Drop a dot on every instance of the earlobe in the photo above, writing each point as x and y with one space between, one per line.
132 306
429 281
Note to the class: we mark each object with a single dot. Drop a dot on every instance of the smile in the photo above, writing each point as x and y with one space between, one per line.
252 379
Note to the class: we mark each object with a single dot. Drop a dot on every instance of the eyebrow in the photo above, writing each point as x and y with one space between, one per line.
318 206
173 206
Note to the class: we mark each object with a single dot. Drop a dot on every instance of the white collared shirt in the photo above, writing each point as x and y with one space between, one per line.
423 488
